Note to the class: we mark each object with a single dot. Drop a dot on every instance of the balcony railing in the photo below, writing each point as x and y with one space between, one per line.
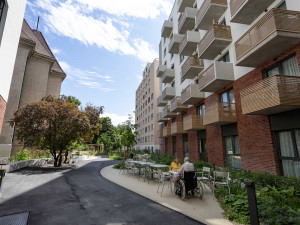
182 4
209 11
160 70
167 112
177 128
176 105
167 131
193 122
220 114
216 77
168 93
192 95
246 11
189 43
192 67
160 133
273 34
160 117
272 95
214 41
174 43
187 20
167 28
168 76
160 102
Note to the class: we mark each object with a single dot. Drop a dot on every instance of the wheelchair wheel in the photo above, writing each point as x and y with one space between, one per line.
180 189
198 192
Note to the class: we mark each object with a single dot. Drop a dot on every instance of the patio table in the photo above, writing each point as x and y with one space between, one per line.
159 166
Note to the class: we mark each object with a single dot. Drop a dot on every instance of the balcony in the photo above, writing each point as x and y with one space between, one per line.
176 105
189 43
193 122
276 32
175 40
246 11
160 70
168 76
177 128
167 29
214 41
167 131
209 11
187 20
168 93
160 118
216 77
272 95
160 133
192 95
220 114
191 67
160 102
182 4
167 113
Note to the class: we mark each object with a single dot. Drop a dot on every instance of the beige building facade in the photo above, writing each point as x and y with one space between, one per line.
36 74
146 110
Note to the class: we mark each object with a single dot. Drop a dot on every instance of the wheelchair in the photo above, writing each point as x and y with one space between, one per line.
189 185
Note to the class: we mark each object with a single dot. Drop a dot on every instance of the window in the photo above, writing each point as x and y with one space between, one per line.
184 115
288 143
203 149
228 96
172 67
152 96
173 84
200 110
165 52
182 79
181 58
288 66
232 148
225 58
152 116
145 129
3 12
185 145
151 106
223 22
282 6
172 55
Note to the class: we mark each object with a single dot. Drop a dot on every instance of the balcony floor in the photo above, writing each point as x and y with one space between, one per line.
215 85
270 48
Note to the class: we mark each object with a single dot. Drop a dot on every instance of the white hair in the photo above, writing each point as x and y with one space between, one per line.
186 159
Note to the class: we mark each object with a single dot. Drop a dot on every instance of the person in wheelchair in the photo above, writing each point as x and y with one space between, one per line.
187 183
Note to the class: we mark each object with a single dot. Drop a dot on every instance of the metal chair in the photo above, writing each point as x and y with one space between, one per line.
221 179
163 177
205 177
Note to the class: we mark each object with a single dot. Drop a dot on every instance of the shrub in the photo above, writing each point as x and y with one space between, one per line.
119 165
116 155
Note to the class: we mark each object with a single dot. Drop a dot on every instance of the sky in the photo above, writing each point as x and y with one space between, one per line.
103 46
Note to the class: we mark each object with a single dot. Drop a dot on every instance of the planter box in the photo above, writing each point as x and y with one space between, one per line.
11 167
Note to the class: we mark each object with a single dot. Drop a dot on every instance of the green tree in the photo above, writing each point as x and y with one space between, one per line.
74 100
54 124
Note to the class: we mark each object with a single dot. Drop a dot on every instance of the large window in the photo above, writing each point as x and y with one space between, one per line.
288 66
200 110
174 146
289 152
185 145
228 96
232 148
203 149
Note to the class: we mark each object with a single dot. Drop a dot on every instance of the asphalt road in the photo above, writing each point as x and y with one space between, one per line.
80 196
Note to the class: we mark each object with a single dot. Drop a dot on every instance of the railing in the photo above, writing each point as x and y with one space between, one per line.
166 110
193 122
274 20
273 91
191 61
168 75
176 103
235 5
182 20
186 93
164 93
166 131
177 128
167 25
204 8
221 113
177 38
207 76
160 133
216 31
160 101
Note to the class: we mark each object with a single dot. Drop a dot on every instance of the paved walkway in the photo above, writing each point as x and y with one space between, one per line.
80 196
206 210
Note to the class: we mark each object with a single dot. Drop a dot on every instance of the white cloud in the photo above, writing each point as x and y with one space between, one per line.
74 19
56 51
134 8
85 78
115 118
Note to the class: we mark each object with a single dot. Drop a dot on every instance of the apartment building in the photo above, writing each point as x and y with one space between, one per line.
230 83
2 111
36 74
146 110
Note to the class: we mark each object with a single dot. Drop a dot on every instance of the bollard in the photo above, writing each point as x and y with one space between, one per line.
254 220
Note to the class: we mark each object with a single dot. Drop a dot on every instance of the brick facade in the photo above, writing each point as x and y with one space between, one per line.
2 111
257 145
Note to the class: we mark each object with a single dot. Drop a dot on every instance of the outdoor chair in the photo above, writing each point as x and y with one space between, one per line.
163 177
205 177
133 170
220 179
141 171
